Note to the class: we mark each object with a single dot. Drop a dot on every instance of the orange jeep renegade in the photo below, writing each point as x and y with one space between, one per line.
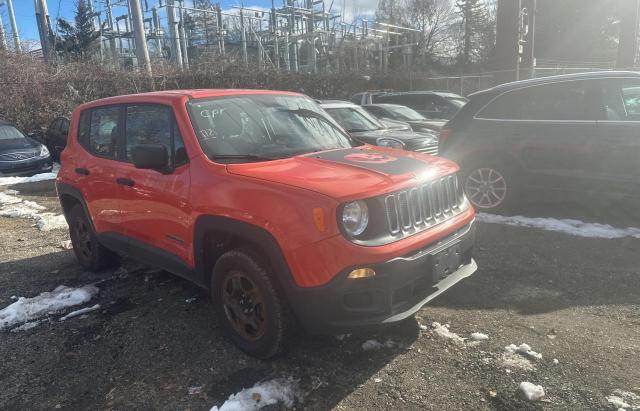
261 199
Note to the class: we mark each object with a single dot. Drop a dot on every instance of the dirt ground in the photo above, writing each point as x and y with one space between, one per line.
573 299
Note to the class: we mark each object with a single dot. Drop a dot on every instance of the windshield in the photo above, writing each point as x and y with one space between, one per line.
355 119
405 113
8 132
457 101
263 127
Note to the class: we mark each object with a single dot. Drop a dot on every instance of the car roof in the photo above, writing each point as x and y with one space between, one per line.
559 78
383 105
171 95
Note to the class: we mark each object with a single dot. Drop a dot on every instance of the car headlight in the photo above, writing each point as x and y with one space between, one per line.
44 151
355 217
390 142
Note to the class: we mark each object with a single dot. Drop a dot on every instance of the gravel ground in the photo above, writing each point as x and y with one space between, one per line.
573 299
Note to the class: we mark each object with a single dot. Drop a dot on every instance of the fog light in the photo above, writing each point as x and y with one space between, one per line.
362 273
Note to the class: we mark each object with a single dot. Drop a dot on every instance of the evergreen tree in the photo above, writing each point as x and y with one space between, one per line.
76 40
475 26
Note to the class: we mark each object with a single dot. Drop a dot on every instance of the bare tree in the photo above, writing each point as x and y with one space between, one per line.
434 19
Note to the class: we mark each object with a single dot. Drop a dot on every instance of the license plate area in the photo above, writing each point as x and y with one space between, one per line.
445 262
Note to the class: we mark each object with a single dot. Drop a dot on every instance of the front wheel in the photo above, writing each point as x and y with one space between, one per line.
489 187
250 305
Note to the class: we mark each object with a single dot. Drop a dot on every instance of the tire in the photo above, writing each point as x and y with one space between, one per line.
91 255
263 327
490 186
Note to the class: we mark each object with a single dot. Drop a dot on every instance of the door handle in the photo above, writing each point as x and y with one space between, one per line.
124 181
82 171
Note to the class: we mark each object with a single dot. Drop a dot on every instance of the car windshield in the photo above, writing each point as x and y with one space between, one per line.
355 119
405 113
8 132
263 127
457 101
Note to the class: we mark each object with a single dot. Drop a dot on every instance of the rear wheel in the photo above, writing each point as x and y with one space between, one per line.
490 187
250 304
91 255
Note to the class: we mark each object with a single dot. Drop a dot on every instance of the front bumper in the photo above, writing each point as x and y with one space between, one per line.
400 287
26 168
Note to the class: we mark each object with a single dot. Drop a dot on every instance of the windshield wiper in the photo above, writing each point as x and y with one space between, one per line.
250 157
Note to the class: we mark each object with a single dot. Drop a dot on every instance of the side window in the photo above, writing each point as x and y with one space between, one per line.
621 100
376 111
153 124
99 132
574 100
54 125
64 126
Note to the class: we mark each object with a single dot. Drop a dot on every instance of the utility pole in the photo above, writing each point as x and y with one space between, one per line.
173 32
112 39
156 29
183 37
243 35
137 24
14 26
44 28
3 41
532 36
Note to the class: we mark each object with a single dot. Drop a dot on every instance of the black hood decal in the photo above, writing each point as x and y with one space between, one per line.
373 160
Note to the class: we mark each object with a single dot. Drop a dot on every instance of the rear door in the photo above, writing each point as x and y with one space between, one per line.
551 130
619 135
155 205
99 134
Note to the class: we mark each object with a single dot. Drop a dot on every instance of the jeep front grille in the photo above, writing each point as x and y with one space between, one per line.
426 205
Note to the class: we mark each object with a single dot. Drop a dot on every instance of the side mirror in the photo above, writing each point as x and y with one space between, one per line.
150 156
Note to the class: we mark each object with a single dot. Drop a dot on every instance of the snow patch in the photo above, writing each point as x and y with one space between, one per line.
523 349
512 360
568 226
531 391
28 309
377 345
261 395
26 326
80 312
479 337
13 206
5 181
624 400
443 331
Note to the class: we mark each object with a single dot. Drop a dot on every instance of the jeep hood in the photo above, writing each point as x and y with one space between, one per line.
348 174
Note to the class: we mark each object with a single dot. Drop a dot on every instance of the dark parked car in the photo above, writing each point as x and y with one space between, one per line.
366 128
417 121
576 133
56 136
21 155
431 104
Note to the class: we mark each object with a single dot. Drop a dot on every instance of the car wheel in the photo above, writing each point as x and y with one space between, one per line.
489 187
91 255
250 305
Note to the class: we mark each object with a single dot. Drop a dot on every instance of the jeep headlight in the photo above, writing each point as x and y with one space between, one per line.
44 151
390 142
355 217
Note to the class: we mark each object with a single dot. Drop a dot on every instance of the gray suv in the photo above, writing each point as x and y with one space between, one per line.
551 136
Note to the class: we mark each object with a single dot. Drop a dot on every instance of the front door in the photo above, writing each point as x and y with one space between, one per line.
155 203
619 136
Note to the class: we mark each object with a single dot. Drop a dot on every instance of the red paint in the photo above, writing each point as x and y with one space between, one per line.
284 197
